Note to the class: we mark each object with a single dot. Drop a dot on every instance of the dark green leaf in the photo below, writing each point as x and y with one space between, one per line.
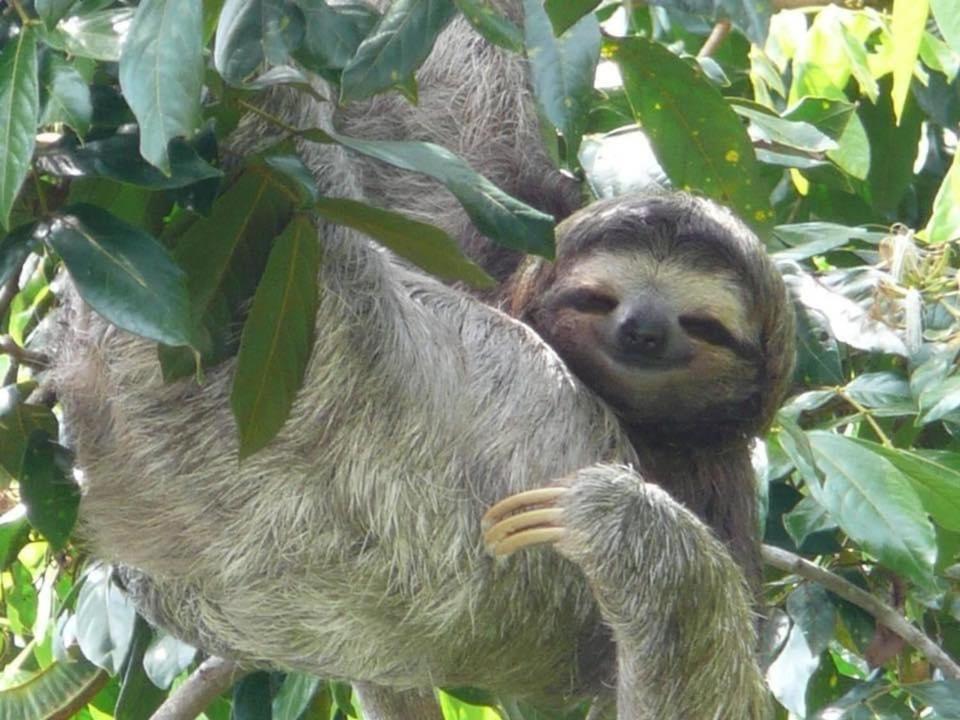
295 696
18 422
397 46
751 16
105 621
939 401
96 35
875 505
161 73
806 518
333 34
818 353
50 494
565 13
247 34
424 245
493 26
830 116
251 698
816 238
496 214
14 248
50 11
943 696
19 113
277 337
166 658
810 608
118 158
886 392
139 697
699 140
562 70
14 533
294 168
123 273
65 96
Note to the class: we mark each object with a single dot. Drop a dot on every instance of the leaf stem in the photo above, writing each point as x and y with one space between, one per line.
24 18
867 415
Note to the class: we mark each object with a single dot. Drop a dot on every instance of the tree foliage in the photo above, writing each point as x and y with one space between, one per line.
832 131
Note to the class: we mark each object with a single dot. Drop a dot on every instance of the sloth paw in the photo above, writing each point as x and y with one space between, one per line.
523 520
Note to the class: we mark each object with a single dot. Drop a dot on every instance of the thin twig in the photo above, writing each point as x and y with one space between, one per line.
884 614
867 415
205 684
9 346
717 36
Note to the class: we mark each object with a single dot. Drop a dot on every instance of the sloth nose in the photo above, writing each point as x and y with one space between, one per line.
643 336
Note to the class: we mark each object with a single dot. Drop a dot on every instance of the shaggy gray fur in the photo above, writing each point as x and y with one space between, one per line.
350 547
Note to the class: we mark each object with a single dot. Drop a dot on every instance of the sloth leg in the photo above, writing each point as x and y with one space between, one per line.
381 703
677 603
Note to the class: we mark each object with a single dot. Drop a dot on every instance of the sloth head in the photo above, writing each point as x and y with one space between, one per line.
669 308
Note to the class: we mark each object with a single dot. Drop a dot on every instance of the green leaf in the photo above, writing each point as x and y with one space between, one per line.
564 14
886 392
562 70
397 46
166 658
277 337
948 20
50 494
807 517
64 94
251 697
829 116
943 696
19 113
934 475
118 158
426 246
770 128
18 422
875 505
698 138
944 224
818 353
139 697
14 534
14 248
497 29
105 621
495 213
161 73
123 273
96 35
51 11
60 690
249 32
938 401
906 31
333 34
295 695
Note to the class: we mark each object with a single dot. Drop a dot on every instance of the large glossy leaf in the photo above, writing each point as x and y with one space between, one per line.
60 690
105 621
565 13
495 213
875 505
19 113
426 246
96 35
14 248
249 32
562 70
397 46
123 273
161 73
698 138
487 21
277 337
139 697
50 494
943 696
117 158
934 475
333 34
64 94
251 697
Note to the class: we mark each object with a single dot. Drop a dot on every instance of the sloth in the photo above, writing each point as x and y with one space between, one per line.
375 539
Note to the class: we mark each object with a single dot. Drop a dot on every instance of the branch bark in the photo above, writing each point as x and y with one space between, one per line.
213 677
884 614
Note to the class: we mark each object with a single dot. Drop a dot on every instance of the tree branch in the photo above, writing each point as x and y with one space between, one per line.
213 677
884 614
717 36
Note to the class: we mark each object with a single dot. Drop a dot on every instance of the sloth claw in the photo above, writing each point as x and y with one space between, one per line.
524 520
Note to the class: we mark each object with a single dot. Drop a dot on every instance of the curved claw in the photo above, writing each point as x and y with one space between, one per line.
524 520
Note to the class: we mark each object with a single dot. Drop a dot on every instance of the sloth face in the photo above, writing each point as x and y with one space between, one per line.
655 338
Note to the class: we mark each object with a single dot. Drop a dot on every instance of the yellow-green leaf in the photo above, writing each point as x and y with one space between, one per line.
909 21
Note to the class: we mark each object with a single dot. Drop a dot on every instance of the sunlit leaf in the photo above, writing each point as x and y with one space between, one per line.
105 621
277 337
906 32
19 113
96 35
948 20
944 224
60 690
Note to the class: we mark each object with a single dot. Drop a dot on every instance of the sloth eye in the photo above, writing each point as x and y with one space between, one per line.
587 300
709 330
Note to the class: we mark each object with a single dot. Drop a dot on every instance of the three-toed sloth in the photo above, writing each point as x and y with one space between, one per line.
353 546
